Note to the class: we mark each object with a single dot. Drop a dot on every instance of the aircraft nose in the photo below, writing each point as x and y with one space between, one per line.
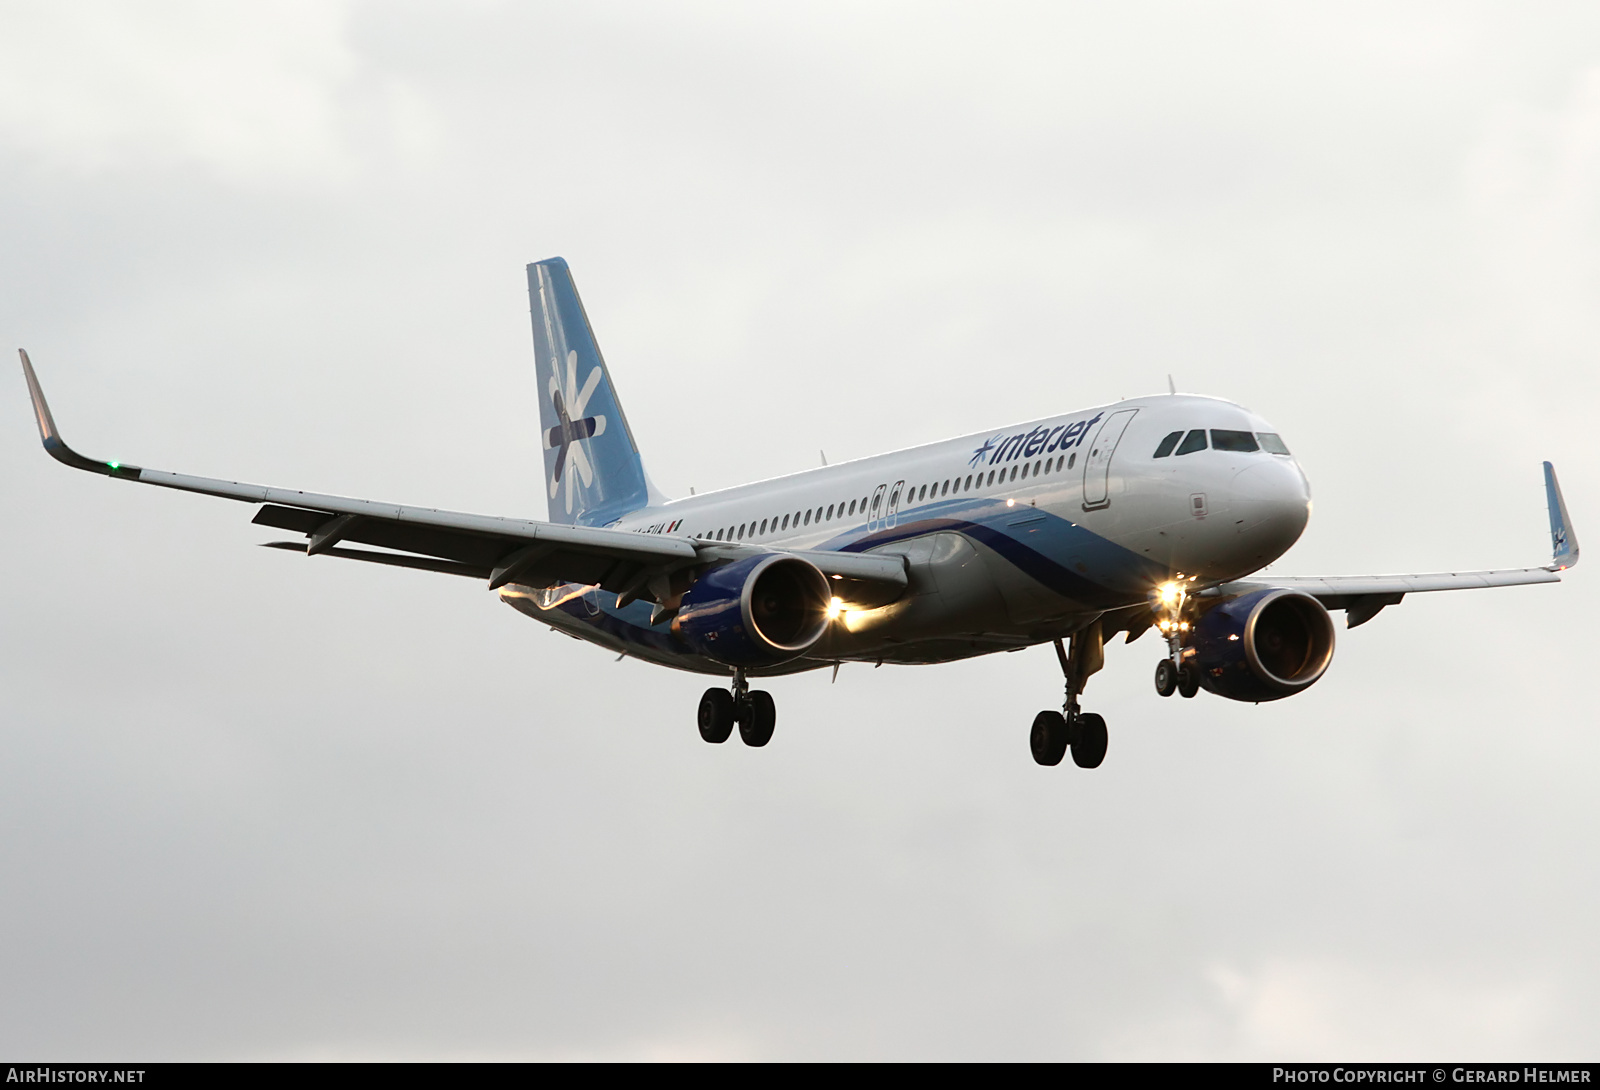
1271 506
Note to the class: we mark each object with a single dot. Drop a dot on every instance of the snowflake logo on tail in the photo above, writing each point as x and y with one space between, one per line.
573 426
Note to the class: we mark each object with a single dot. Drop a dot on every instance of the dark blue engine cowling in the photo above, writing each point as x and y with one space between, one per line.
1265 645
755 612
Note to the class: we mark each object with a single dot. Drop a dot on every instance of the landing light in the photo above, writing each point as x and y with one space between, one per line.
835 607
1011 503
1168 593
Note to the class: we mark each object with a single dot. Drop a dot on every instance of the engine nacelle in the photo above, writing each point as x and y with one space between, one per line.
755 612
1265 645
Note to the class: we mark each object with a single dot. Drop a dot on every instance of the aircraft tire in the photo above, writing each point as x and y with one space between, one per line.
759 719
1188 681
716 715
1048 738
1089 747
1166 677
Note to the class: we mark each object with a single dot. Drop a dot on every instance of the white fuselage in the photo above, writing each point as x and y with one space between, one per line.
1012 536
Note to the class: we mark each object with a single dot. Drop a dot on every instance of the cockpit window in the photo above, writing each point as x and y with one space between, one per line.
1195 440
1167 444
1271 443
1241 442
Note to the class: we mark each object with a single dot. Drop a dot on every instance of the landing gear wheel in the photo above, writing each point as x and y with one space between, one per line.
1166 677
1188 680
757 719
716 715
1089 747
1048 739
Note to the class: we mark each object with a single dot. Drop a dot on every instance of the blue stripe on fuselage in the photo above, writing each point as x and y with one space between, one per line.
1070 560
1046 547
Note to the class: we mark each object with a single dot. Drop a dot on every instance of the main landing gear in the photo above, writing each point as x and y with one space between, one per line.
752 710
1084 733
1176 673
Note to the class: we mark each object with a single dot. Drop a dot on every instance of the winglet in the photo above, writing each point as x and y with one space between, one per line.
1563 541
53 443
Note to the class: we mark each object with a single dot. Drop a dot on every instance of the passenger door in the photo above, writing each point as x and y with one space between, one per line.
875 512
1097 462
893 514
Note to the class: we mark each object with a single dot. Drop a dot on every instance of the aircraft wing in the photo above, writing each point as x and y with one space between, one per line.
499 550
1363 597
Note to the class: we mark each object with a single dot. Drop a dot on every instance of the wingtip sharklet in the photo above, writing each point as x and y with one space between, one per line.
50 435
1563 539
41 408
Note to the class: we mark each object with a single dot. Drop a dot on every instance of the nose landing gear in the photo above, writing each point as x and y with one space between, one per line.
1166 677
1084 733
1175 673
753 711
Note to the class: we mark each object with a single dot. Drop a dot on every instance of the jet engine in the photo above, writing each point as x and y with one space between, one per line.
1264 645
755 612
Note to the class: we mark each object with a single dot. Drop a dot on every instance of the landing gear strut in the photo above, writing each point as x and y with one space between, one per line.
1084 733
752 710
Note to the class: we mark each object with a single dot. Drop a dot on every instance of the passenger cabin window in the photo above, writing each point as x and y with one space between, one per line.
1167 444
1240 442
1271 443
1195 440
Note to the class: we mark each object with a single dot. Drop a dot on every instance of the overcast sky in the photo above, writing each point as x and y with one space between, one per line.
258 806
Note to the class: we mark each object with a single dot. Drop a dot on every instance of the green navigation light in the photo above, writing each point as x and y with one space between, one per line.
114 465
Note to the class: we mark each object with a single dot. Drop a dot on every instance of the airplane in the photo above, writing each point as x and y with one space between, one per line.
1153 513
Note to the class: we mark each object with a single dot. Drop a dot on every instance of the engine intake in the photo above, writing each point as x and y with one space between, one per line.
755 612
1265 645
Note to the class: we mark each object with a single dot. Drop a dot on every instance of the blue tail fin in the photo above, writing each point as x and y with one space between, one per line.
593 475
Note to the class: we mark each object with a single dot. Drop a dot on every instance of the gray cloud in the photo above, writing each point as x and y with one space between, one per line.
255 806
